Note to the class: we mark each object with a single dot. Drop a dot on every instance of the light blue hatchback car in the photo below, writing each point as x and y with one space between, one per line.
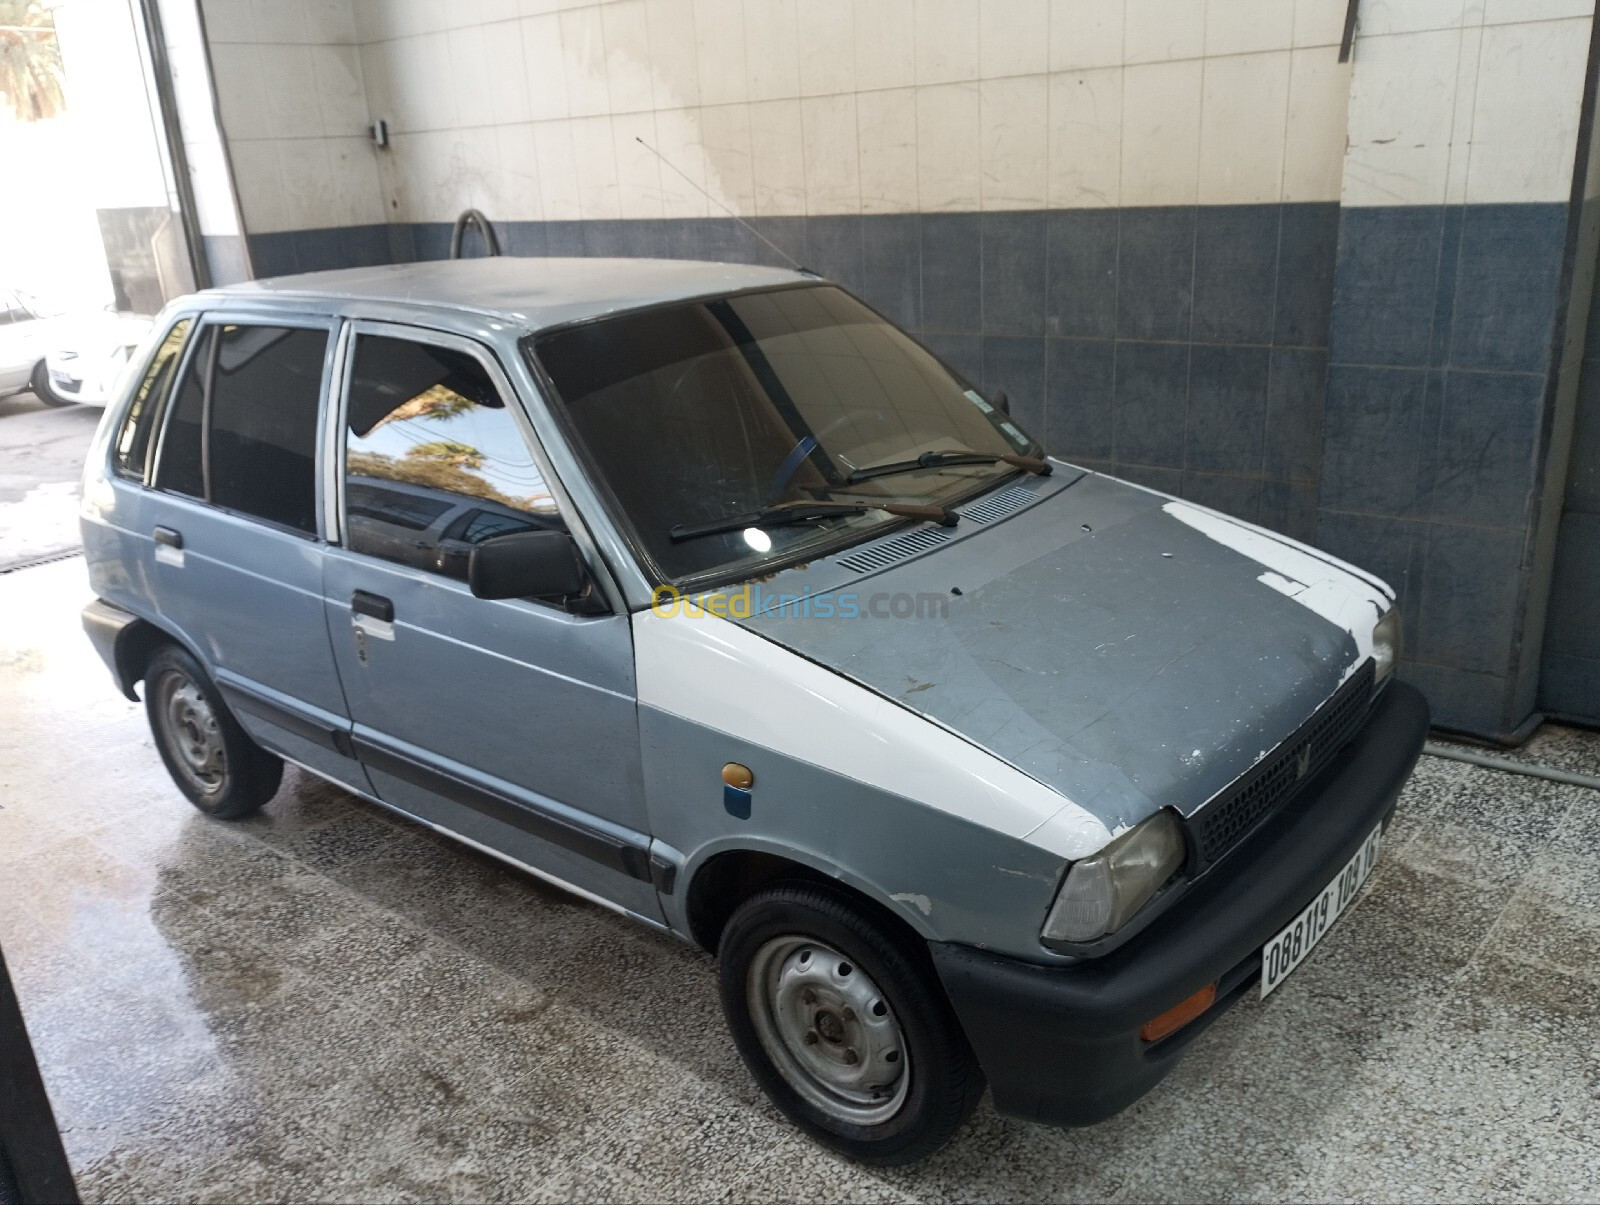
706 593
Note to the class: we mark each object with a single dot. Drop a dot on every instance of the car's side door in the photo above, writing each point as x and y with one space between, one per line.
231 534
511 723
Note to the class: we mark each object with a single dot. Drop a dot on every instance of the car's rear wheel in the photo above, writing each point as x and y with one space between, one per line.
214 762
39 382
844 1027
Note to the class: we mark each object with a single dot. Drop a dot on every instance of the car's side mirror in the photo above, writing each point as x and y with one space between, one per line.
526 564
1001 402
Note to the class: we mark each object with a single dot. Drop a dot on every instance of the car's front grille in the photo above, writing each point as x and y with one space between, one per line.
1273 781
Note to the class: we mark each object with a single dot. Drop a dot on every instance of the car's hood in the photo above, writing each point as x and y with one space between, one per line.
1127 650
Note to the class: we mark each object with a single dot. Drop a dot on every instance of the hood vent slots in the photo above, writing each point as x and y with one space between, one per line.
997 506
900 548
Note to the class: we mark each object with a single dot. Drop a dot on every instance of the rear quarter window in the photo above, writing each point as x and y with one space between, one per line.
131 453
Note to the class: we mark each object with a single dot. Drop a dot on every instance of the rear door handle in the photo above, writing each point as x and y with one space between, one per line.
169 546
374 605
371 615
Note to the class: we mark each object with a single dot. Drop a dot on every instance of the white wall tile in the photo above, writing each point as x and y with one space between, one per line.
291 90
1014 38
341 91
673 58
507 69
1503 12
885 44
229 21
947 40
1319 104
1161 133
1402 99
330 22
1379 17
279 20
353 172
1244 26
949 118
1155 31
420 103
377 80
1085 33
546 67
1013 137
1525 127
258 177
213 190
241 94
719 51
1319 22
638 168
1085 157
595 152
518 153
832 154
583 49
1462 115
730 171
683 172
772 64
558 171
1244 110
308 186
777 157
629 77
826 37
887 125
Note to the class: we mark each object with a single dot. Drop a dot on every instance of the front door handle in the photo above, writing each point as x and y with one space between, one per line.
169 546
167 537
374 606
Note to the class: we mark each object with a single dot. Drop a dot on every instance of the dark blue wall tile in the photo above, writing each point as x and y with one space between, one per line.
1227 409
1470 582
1168 481
1013 273
833 248
952 272
1290 507
1081 273
273 254
564 239
1385 283
1392 548
1371 428
1484 470
1575 595
964 353
1155 273
1296 384
1458 700
1236 496
1445 287
606 238
1235 271
1308 245
1152 388
1016 364
1506 284
1080 410
522 238
225 259
785 242
891 263
366 245
402 243
431 240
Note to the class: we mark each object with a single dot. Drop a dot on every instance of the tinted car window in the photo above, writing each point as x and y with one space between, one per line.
434 462
133 441
257 452
696 412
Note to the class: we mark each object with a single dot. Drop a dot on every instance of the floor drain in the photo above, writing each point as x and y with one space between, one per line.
48 558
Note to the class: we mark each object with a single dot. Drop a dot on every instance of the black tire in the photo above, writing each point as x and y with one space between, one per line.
943 1082
39 382
214 762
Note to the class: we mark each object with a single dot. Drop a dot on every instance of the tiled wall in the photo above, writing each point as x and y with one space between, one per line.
1449 293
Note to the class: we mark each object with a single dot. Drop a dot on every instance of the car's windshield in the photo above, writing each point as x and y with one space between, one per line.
707 409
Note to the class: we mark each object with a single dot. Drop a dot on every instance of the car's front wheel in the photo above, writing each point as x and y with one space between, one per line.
39 382
844 1027
212 759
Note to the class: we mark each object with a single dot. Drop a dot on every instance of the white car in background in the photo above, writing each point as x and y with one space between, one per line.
63 358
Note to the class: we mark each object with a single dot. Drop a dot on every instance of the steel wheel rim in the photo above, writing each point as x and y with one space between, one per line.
192 732
829 1030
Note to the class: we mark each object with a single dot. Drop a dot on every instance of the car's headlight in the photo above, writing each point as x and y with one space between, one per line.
1386 643
1102 893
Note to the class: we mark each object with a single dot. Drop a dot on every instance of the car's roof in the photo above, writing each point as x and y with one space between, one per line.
539 293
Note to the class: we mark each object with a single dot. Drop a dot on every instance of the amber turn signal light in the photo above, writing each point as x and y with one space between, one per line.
1176 1018
735 775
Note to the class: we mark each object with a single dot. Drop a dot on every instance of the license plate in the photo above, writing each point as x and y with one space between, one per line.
1289 948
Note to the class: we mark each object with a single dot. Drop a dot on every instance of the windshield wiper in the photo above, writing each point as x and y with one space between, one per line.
791 513
953 456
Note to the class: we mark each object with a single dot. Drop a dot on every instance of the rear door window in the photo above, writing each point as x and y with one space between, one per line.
243 431
133 440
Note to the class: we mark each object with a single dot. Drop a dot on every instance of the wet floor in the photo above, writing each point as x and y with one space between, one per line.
328 1003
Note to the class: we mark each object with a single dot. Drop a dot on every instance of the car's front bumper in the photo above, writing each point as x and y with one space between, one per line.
1061 1045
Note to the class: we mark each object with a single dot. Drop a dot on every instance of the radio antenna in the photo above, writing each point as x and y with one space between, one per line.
798 266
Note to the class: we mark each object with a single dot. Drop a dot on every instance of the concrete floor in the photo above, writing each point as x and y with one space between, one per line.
326 1003
41 458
